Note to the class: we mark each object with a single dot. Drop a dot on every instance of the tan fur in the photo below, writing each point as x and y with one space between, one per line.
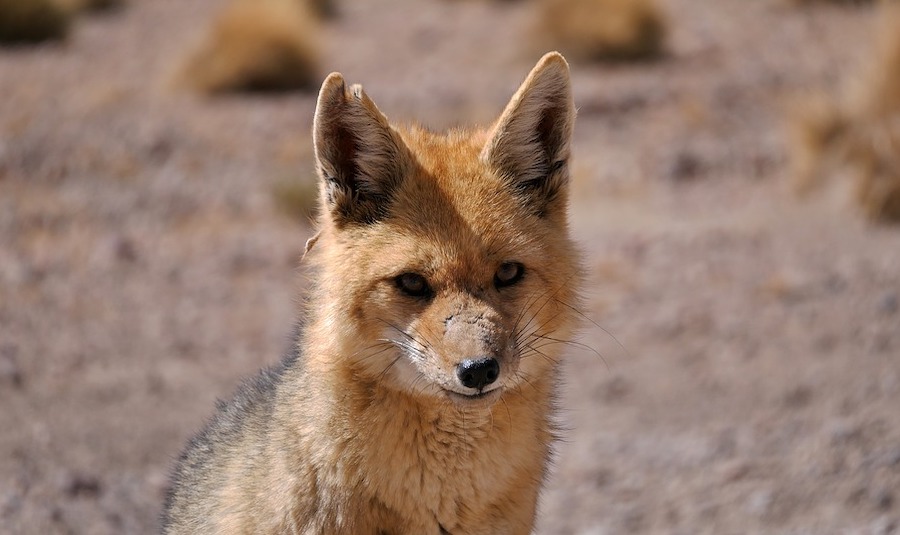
371 431
268 45
858 131
605 30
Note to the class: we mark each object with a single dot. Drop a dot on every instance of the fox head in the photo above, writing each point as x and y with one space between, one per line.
445 264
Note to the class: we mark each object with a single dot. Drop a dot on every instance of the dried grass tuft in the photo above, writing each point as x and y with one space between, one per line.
838 2
858 131
326 9
32 21
256 45
78 6
603 30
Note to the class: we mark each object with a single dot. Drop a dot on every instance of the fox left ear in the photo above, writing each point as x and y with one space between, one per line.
360 158
530 143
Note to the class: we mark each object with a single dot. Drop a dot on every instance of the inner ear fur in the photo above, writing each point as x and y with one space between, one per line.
529 144
360 158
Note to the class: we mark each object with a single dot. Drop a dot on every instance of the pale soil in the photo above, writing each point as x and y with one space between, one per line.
144 268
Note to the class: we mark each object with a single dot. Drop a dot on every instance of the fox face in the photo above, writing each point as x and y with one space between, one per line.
447 256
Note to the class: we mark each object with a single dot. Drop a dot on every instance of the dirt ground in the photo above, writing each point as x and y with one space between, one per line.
750 341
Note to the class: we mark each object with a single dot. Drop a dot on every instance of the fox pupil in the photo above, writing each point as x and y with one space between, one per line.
413 284
508 274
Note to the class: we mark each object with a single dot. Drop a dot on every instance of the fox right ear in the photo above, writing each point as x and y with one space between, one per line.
529 144
360 158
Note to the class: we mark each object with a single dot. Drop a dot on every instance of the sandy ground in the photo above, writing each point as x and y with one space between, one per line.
749 377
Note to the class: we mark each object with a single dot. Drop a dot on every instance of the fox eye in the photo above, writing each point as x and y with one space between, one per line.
508 274
413 284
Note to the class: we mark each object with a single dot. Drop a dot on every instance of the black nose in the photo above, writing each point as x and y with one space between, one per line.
478 373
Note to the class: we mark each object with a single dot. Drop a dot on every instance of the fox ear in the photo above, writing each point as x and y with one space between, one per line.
530 143
359 157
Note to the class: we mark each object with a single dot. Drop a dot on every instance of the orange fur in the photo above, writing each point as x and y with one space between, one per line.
375 429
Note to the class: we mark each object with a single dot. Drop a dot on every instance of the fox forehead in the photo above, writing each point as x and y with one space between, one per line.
449 164
453 212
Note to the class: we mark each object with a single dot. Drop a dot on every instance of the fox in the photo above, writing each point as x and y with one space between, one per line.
420 394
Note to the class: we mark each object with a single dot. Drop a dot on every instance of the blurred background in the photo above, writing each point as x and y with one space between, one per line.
736 192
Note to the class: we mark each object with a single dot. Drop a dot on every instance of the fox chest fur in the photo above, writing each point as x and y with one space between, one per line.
419 396
422 471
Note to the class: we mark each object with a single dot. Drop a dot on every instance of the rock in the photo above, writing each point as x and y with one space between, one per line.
760 503
10 371
125 250
83 486
888 303
883 526
685 166
883 499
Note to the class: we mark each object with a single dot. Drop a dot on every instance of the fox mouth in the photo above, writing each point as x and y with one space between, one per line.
484 397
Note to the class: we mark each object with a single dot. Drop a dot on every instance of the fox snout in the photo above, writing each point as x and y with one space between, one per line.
476 350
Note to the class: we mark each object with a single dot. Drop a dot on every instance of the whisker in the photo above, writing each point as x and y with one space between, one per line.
402 344
491 413
378 343
528 304
526 329
526 336
420 343
551 296
383 373
535 351
508 421
574 343
538 311
387 347
595 324
398 329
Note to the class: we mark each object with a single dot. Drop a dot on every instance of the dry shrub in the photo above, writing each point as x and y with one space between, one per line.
31 21
77 6
605 30
858 131
839 2
256 45
326 9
